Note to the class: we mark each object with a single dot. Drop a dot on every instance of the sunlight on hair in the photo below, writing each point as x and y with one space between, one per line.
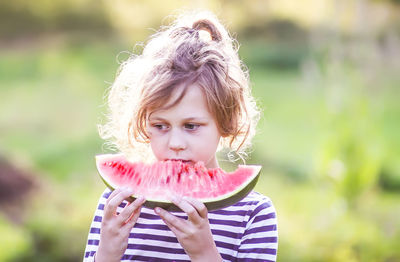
195 48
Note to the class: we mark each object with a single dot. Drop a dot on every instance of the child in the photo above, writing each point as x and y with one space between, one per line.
184 98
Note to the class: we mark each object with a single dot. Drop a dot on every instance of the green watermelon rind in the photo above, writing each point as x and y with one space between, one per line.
216 203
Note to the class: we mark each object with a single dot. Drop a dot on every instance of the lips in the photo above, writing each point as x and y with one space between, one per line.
181 160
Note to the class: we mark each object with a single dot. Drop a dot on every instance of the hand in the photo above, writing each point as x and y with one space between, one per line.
193 234
115 228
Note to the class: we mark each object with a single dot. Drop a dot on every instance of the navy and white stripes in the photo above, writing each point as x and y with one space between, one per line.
245 231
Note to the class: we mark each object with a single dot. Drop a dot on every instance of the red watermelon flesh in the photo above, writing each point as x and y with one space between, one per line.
158 181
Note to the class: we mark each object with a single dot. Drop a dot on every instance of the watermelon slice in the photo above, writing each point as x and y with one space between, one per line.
158 181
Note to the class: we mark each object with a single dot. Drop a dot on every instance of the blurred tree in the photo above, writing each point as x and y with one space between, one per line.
349 68
26 18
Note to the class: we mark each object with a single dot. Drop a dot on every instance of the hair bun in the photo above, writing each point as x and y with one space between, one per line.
209 27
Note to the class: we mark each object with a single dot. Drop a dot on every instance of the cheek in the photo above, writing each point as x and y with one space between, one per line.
215 143
208 144
157 148
155 141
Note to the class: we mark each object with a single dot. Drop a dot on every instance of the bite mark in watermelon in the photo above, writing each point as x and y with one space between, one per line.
158 181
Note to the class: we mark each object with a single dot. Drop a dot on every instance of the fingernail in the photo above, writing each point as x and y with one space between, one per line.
141 199
157 210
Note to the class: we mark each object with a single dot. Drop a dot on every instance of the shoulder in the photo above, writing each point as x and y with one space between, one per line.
259 210
256 197
256 202
263 206
254 208
259 240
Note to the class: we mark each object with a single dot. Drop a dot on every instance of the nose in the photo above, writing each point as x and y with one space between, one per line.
176 141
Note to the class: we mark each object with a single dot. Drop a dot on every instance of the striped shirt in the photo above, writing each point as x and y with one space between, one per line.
245 231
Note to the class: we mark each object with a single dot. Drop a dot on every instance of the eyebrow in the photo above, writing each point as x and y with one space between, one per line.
184 120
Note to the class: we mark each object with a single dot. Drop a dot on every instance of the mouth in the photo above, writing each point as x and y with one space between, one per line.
181 160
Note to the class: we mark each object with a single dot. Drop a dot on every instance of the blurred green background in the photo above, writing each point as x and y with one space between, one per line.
326 74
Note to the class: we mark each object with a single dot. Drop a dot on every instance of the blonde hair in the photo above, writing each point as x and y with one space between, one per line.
196 48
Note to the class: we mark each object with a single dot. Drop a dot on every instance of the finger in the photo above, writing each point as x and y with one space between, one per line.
113 194
174 230
199 206
177 225
111 207
110 197
187 207
131 221
130 209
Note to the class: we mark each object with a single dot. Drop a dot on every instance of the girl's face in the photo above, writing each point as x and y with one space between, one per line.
187 131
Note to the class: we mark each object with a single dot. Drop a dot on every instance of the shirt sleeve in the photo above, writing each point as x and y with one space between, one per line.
260 238
94 231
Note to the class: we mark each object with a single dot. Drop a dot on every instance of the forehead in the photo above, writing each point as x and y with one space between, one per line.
188 101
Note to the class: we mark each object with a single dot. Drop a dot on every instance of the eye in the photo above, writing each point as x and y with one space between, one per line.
160 126
191 126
